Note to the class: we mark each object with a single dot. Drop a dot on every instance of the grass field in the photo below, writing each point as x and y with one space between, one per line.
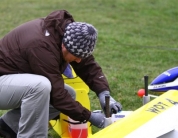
136 37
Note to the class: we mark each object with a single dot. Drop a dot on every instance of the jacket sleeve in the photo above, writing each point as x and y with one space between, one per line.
44 62
91 73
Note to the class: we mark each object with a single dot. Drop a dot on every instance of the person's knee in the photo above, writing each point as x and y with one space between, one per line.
42 85
45 84
71 91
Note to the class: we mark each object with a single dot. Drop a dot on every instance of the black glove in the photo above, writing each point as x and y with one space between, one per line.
114 106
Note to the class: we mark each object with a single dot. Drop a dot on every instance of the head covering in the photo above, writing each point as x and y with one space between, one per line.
80 39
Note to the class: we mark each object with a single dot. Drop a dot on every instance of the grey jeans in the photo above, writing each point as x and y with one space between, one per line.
28 96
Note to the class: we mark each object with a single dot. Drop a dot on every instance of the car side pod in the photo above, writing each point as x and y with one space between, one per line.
154 119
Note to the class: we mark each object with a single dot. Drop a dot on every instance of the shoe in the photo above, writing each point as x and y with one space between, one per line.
6 131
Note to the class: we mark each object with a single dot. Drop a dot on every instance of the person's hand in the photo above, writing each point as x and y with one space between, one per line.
114 106
99 120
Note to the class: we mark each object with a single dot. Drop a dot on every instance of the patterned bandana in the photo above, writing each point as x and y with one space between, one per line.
80 39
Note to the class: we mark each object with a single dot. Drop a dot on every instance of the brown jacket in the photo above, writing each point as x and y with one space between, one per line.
29 48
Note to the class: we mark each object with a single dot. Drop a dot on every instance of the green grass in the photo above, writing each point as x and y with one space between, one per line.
136 37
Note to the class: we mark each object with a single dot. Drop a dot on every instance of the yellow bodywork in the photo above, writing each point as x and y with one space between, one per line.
122 128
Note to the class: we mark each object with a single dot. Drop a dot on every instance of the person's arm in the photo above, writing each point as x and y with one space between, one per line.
45 63
91 73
